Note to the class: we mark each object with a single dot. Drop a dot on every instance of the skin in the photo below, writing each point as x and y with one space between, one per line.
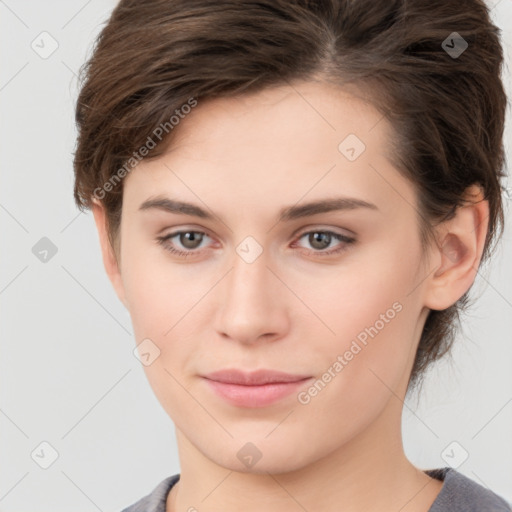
292 309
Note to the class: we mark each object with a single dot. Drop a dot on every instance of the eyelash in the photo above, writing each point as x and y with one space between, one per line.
162 240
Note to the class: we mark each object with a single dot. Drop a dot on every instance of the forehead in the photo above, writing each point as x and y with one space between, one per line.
285 116
282 143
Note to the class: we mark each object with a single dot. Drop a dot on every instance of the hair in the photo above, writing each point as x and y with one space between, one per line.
155 59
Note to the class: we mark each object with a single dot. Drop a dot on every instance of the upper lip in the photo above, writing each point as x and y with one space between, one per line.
255 378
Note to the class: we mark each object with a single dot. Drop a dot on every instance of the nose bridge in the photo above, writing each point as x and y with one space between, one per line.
248 279
250 305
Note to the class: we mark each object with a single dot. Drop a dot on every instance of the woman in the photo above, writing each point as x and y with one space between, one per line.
293 199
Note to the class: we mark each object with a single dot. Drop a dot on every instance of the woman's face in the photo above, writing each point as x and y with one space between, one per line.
266 283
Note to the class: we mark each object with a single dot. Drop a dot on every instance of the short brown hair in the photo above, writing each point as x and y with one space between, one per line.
447 110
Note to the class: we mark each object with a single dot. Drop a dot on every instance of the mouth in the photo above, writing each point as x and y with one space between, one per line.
254 389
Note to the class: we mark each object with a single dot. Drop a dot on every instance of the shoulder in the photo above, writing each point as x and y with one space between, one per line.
460 493
155 501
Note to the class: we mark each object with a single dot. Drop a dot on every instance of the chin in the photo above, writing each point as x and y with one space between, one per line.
262 456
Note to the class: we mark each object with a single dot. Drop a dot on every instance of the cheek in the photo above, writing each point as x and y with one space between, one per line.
165 307
364 364
159 293
372 315
354 295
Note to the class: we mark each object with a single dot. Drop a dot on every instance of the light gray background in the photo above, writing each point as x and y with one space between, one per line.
68 374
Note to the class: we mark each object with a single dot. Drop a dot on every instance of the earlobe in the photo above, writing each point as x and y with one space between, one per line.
459 251
109 259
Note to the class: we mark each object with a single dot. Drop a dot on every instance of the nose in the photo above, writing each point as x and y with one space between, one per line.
253 302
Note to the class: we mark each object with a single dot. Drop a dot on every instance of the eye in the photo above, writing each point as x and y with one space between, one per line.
321 240
190 240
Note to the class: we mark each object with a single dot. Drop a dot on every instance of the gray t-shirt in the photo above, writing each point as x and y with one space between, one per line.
458 494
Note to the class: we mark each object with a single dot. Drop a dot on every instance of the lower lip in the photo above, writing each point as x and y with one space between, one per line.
255 396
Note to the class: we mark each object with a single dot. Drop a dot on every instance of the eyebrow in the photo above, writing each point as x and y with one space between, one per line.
285 214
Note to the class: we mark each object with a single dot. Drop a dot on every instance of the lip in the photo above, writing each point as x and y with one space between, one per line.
254 378
254 389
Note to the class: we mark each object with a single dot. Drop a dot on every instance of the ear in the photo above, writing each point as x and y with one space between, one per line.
109 259
458 252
